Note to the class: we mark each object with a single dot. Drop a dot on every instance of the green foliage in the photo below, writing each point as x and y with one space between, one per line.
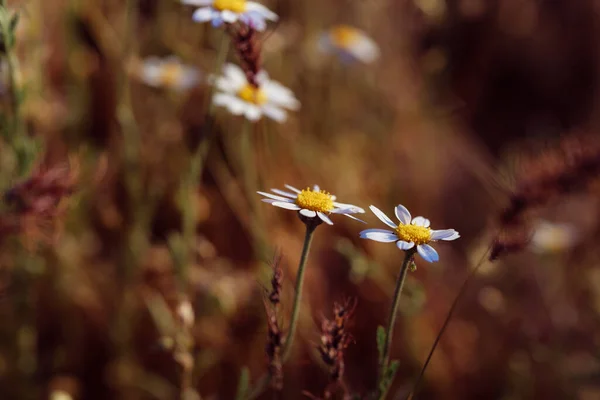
381 337
243 384
388 376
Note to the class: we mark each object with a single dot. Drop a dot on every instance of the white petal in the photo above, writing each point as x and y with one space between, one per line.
279 95
316 188
324 218
402 214
379 235
275 113
308 213
198 3
234 74
384 218
274 196
348 207
253 113
283 193
444 234
217 20
231 102
151 71
229 16
364 49
203 14
402 245
287 206
354 218
254 20
428 253
293 189
261 10
421 221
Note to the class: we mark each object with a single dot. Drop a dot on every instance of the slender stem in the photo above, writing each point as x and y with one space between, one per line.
459 295
287 346
389 334
289 340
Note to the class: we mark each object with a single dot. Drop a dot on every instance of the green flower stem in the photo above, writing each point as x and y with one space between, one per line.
289 340
389 333
287 345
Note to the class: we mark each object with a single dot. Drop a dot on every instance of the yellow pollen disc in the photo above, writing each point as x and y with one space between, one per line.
170 74
315 201
237 6
413 233
252 94
344 36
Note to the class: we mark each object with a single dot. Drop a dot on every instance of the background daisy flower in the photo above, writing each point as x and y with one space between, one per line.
349 43
230 11
241 97
310 203
168 72
409 233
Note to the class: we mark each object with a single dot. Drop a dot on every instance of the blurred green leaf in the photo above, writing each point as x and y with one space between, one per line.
244 383
381 336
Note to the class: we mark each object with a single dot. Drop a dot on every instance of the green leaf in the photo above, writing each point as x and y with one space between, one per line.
381 337
14 21
243 384
388 376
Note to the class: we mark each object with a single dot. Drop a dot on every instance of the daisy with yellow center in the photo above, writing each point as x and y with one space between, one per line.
241 97
310 203
218 12
410 232
168 72
349 43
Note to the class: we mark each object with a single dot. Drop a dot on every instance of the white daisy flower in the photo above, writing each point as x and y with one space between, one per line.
168 72
218 12
241 97
349 43
551 237
311 203
409 233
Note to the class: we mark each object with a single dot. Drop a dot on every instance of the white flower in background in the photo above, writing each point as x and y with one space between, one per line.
551 237
218 12
349 43
168 72
409 233
241 97
311 203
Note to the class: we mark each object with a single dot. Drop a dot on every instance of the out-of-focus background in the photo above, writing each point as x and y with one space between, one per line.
124 276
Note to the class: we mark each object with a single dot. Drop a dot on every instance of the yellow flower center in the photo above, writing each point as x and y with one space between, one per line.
252 94
237 6
413 233
315 201
344 36
170 74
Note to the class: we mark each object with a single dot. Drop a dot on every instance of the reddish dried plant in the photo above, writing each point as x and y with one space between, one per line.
334 340
275 336
35 203
567 168
248 48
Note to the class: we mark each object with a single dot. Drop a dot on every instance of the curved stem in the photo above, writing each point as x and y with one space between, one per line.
287 346
389 333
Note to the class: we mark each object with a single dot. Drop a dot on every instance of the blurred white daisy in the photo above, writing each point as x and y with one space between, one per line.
311 203
551 237
409 233
349 43
218 12
241 97
168 72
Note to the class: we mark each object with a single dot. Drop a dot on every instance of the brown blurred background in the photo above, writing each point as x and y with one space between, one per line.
468 98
